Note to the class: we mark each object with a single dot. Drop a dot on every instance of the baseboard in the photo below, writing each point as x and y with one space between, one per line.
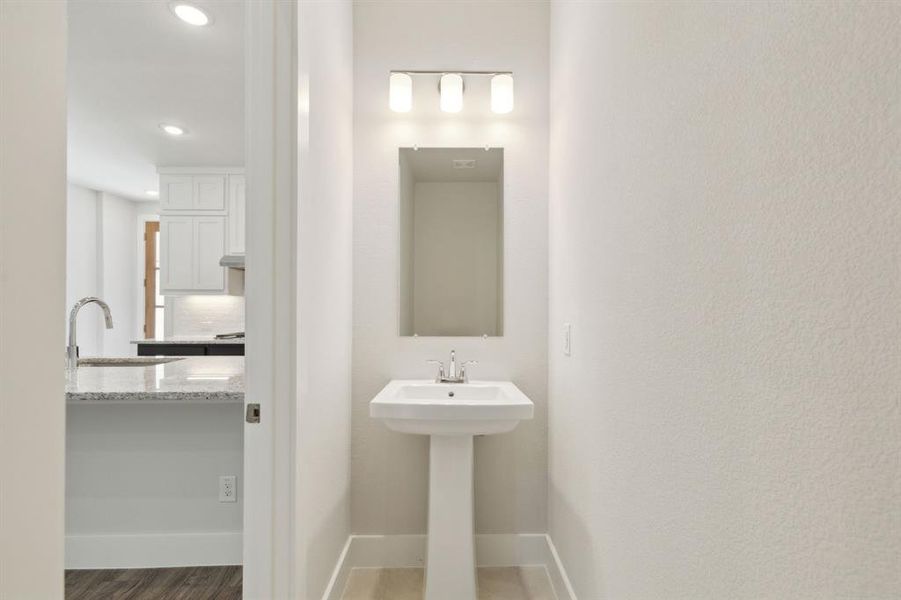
559 578
492 550
134 551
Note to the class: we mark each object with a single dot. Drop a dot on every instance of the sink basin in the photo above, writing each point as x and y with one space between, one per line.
127 361
428 408
451 414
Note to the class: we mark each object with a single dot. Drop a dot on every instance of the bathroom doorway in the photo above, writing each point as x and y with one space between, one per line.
160 472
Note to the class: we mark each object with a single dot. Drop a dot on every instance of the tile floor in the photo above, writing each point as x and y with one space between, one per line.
495 583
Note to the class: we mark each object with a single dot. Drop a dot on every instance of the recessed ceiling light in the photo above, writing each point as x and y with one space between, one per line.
152 193
172 129
190 14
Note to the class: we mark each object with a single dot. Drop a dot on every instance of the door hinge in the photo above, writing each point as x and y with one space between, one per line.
253 413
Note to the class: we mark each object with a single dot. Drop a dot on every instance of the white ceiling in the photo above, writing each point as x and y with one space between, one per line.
134 65
437 164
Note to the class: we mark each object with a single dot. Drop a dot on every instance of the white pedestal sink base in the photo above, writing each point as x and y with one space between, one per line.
451 414
450 562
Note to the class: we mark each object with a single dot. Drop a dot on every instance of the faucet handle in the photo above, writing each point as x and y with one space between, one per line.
440 364
463 375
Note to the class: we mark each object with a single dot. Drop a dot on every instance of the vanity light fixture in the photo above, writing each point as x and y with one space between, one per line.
173 130
152 193
400 92
450 86
190 14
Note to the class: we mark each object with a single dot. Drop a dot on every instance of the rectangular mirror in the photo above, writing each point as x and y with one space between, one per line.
451 241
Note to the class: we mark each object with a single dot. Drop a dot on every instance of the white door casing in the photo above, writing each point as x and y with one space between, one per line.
270 303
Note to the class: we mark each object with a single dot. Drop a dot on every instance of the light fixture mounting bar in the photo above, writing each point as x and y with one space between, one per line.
414 72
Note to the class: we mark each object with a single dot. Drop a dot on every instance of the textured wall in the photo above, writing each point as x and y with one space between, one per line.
390 470
724 239
325 279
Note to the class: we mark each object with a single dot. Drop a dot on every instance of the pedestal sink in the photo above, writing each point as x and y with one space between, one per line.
451 414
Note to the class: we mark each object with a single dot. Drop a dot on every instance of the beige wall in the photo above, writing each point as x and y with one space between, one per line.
32 297
390 470
725 241
455 247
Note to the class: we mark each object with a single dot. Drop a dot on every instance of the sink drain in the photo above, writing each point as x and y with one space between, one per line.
450 394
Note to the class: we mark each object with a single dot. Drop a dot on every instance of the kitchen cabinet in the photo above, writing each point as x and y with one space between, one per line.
202 219
236 214
192 193
190 249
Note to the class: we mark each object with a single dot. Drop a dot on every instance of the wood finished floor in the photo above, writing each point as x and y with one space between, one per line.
192 583
495 583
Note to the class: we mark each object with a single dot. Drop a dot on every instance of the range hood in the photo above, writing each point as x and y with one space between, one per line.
232 261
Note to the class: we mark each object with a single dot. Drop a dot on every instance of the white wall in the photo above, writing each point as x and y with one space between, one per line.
118 247
390 470
724 240
324 282
32 293
104 258
83 264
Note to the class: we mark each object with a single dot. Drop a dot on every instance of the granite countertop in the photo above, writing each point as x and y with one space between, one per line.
198 340
201 379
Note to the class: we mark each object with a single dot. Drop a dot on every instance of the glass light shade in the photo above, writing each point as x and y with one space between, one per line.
400 92
502 94
451 92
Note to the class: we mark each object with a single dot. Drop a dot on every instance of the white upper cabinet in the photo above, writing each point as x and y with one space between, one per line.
192 193
176 192
202 219
209 246
176 253
209 192
236 214
190 249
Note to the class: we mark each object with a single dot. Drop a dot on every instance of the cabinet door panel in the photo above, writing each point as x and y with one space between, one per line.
209 192
209 246
176 253
236 206
176 192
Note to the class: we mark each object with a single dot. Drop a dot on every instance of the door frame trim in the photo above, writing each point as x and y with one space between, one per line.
271 275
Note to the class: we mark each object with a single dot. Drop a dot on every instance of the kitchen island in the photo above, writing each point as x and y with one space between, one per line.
196 379
146 450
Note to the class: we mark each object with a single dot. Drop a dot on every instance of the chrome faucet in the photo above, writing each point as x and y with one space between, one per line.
451 376
72 348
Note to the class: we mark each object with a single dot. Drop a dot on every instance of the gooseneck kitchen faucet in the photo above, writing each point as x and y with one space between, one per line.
72 348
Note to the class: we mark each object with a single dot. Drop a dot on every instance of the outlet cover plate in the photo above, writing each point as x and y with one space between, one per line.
228 488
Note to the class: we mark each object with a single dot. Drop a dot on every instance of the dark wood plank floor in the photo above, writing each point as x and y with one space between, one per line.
192 583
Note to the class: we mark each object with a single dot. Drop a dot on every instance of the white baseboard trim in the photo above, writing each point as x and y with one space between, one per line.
559 578
135 551
492 550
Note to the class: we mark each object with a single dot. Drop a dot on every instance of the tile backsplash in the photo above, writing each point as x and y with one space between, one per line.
204 315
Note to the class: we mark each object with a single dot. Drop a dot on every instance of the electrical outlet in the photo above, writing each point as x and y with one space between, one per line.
228 488
567 339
